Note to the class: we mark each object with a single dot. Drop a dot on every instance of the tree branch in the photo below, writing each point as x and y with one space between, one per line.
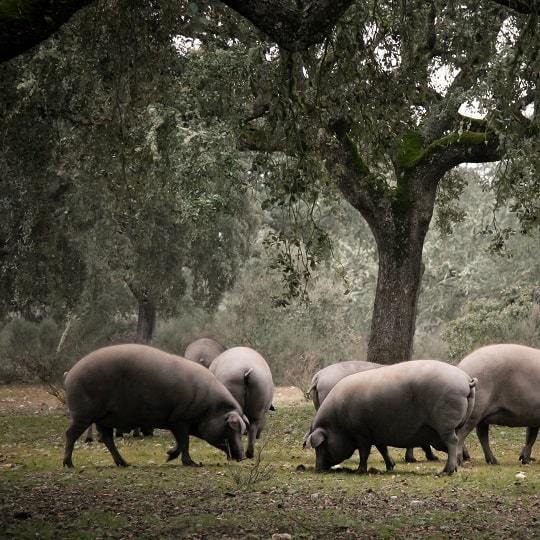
526 7
25 23
456 148
345 165
292 25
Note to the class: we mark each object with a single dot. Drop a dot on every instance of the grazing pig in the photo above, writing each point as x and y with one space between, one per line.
203 351
247 375
124 386
409 404
324 380
508 394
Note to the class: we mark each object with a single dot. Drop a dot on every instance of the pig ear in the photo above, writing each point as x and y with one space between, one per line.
315 438
234 421
245 419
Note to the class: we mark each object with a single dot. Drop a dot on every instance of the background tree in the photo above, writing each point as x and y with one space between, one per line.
149 188
389 113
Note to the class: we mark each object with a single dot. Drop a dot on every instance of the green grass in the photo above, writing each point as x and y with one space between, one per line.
152 499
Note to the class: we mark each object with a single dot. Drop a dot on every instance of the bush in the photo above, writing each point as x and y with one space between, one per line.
28 352
174 335
514 317
296 340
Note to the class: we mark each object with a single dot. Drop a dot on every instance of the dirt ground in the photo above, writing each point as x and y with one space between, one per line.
35 399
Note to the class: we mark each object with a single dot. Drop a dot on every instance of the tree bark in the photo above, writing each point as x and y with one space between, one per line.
146 321
396 297
147 314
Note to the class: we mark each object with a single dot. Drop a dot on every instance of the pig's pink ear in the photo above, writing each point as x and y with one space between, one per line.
234 421
315 438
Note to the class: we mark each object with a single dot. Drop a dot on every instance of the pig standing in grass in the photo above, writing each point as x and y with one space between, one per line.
125 386
405 405
247 375
508 393
324 380
203 351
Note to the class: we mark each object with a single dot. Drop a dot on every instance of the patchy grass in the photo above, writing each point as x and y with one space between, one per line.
151 499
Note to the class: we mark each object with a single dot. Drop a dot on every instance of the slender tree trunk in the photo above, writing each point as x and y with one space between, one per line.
396 298
146 321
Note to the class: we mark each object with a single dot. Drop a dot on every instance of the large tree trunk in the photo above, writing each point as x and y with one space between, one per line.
396 297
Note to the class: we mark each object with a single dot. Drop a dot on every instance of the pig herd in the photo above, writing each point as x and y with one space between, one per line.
219 394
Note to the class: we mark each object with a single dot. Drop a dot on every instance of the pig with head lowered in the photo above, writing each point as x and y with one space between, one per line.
203 351
247 375
405 405
125 386
508 394
325 379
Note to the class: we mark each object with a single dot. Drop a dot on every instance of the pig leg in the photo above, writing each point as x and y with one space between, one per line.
73 432
388 461
89 437
409 456
252 434
462 432
451 440
137 432
108 439
364 452
482 430
525 456
430 456
181 435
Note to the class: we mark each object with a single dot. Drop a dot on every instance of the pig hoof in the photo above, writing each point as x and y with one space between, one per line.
525 459
191 464
433 458
122 464
249 454
173 453
68 464
411 459
361 471
492 460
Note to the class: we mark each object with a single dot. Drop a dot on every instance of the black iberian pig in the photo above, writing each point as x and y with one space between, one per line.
324 380
408 404
247 375
203 351
125 386
508 393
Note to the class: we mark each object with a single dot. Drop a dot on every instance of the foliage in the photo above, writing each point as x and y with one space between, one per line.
286 336
140 187
29 351
512 317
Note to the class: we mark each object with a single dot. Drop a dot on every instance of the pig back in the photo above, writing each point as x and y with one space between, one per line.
126 383
204 351
324 380
248 377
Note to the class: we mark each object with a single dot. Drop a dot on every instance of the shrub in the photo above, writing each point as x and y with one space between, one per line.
28 351
513 317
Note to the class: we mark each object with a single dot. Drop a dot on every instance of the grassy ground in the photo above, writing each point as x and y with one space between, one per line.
151 499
